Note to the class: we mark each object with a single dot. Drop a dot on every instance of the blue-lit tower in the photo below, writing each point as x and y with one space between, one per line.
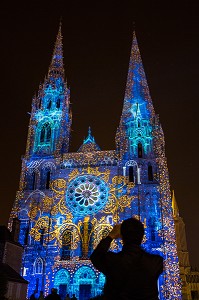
67 201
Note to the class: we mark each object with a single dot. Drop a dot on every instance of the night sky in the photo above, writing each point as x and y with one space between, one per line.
97 40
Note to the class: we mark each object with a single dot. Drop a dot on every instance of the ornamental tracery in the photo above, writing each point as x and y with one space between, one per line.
87 187
86 195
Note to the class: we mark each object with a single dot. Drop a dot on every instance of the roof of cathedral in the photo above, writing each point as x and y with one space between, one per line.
137 90
89 143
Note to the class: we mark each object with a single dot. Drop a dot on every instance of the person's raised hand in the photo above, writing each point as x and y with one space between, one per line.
115 232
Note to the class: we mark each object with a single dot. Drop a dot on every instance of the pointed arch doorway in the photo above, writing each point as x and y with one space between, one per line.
62 282
84 280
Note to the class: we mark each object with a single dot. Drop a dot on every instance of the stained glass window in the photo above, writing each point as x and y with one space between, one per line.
86 194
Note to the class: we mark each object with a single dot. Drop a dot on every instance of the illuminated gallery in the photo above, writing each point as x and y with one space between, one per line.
67 201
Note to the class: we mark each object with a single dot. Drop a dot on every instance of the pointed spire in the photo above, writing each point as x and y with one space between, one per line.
56 68
138 112
89 143
175 206
137 91
90 138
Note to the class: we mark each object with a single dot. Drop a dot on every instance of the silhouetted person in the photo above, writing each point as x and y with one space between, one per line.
67 297
132 273
73 297
32 297
41 295
53 295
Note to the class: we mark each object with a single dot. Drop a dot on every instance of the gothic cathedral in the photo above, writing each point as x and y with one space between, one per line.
68 201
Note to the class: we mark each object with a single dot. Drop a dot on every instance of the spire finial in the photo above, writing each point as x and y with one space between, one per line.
137 90
57 66
89 143
89 131
174 205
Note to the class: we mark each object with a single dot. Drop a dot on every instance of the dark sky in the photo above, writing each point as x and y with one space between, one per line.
97 39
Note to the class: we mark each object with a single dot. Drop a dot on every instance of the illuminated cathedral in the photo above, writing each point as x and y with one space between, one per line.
68 201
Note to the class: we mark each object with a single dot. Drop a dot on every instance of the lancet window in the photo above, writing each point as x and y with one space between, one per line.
150 172
45 134
131 174
38 265
48 179
49 104
140 150
58 103
66 245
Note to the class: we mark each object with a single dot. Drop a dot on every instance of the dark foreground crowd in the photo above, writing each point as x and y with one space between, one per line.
52 296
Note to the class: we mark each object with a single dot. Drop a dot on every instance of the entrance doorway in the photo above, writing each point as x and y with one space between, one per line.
62 282
62 291
84 291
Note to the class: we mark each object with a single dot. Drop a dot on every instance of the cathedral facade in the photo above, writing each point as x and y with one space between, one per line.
68 201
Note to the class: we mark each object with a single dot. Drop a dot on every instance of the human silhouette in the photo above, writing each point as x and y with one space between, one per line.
32 297
132 273
67 297
41 295
53 295
73 297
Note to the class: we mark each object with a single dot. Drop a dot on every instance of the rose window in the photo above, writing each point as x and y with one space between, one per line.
86 195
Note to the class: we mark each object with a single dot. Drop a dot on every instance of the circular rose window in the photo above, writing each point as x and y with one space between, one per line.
86 195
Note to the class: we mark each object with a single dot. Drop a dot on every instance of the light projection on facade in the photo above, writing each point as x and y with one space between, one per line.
67 202
86 195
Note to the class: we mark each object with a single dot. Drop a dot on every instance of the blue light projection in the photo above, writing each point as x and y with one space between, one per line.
68 201
62 282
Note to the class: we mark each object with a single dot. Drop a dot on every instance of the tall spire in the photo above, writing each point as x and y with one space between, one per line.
137 91
174 205
56 68
89 143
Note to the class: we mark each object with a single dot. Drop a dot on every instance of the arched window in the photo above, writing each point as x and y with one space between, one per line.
66 245
48 134
150 172
26 234
109 219
45 134
48 179
139 150
60 220
153 234
34 181
58 103
38 265
131 174
49 104
41 236
42 135
64 148
39 106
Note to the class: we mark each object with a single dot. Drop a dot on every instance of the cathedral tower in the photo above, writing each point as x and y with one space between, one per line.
68 201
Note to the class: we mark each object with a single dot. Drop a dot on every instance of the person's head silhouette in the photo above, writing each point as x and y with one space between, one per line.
132 231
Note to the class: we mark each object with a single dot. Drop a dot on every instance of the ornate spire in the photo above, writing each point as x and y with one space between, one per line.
90 138
89 143
56 68
137 91
174 206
